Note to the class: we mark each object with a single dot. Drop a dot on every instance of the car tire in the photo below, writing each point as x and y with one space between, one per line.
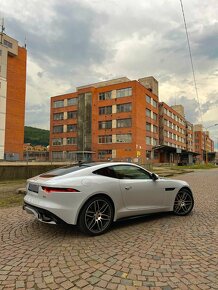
96 216
183 203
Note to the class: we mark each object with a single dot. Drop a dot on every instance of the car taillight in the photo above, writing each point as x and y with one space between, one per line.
58 189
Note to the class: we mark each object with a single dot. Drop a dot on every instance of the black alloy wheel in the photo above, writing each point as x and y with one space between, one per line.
184 202
96 216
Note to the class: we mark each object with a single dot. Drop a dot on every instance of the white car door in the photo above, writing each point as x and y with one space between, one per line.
139 190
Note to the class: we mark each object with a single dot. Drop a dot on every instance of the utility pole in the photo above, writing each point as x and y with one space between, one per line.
83 141
2 29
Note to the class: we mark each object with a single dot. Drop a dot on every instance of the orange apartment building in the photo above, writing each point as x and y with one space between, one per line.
204 145
12 97
176 135
111 120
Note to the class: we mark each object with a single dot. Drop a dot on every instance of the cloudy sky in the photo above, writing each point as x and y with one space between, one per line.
71 43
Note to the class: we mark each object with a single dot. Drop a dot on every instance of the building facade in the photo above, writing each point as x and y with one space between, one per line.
116 119
12 98
35 152
204 145
176 136
122 119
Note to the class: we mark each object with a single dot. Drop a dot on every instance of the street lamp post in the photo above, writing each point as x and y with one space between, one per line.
205 145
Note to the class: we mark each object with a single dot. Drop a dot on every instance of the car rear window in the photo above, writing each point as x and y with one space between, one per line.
63 170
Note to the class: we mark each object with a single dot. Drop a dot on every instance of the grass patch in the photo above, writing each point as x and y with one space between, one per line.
12 182
10 199
196 166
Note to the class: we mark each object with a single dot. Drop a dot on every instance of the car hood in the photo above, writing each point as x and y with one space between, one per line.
175 181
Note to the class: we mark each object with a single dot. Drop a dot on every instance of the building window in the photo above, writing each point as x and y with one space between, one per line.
58 129
71 140
124 138
155 142
57 141
154 116
72 102
72 115
103 153
148 140
148 154
156 154
57 155
105 124
124 92
154 104
124 123
105 110
124 108
148 127
58 116
58 104
8 43
71 128
105 139
154 129
71 155
148 99
148 113
105 96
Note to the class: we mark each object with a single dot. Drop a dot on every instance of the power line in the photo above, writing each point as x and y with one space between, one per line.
192 66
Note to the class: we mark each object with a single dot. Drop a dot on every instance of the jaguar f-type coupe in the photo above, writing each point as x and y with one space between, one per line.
94 195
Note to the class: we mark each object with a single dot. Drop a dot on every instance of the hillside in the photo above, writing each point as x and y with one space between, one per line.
36 136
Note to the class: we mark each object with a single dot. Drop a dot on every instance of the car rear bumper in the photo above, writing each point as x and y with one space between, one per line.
41 214
64 207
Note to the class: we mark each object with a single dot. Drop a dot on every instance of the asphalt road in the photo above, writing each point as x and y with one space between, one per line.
154 252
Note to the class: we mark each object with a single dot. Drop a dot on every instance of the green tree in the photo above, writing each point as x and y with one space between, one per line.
36 136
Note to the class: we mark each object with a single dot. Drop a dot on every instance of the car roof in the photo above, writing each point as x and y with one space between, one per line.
82 168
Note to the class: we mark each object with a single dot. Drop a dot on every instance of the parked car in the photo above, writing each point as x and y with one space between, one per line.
94 195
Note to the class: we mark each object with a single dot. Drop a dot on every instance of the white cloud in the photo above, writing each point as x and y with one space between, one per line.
74 42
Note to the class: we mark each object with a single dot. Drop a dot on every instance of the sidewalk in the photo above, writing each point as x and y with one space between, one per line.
167 172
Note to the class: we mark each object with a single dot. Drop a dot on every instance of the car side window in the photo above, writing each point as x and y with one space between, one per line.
130 172
106 171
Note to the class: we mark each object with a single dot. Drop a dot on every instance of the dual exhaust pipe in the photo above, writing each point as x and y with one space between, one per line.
40 216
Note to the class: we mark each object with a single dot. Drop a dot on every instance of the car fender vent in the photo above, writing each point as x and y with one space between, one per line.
169 188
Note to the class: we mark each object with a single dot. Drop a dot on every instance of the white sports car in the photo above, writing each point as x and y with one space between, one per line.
93 195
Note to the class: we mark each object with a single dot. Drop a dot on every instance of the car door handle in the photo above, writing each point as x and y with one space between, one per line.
128 187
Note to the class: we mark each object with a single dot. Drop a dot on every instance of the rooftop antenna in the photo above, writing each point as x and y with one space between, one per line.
2 28
25 41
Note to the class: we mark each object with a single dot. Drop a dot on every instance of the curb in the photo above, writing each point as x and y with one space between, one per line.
21 191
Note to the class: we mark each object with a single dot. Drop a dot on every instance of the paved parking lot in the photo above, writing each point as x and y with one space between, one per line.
156 252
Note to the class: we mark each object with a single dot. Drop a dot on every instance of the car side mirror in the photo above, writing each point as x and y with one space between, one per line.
154 176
